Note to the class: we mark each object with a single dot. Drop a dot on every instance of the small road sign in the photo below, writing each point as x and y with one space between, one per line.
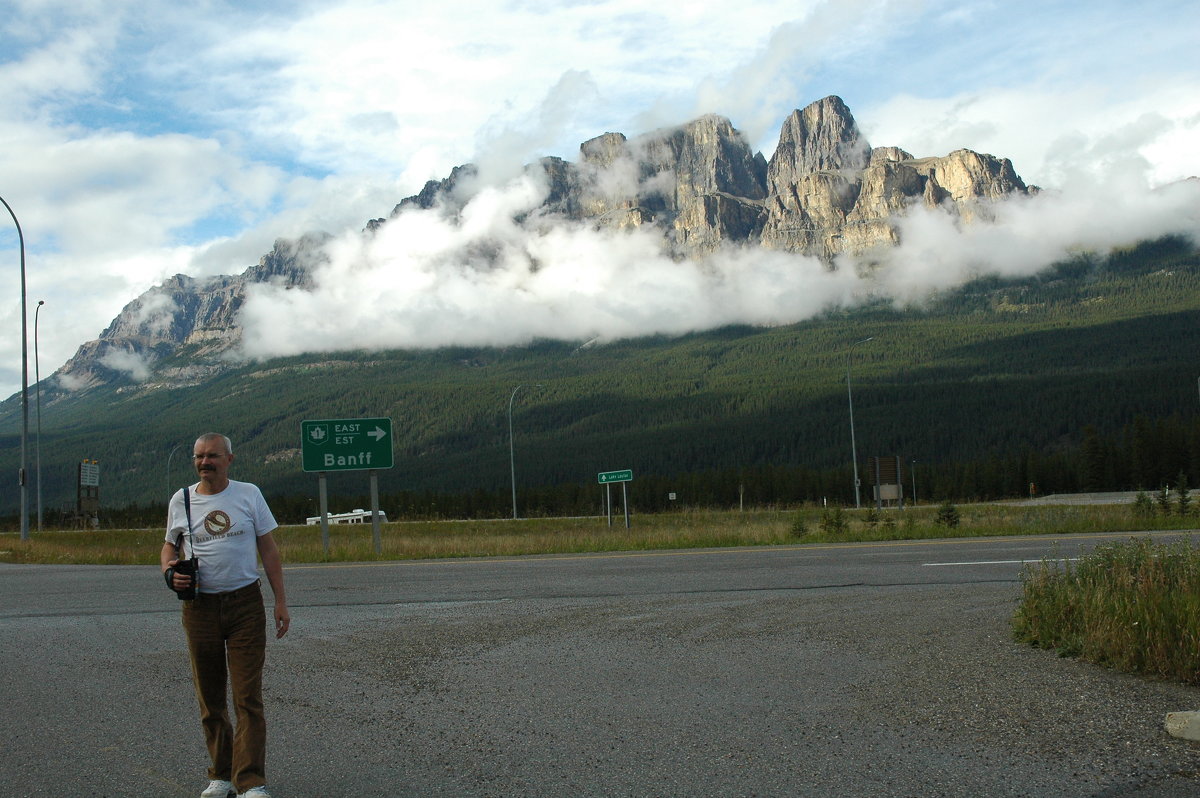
605 477
346 444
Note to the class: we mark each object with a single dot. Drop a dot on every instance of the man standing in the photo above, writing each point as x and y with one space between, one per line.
226 525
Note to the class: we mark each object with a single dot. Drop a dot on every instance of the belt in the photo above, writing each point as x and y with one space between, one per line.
228 595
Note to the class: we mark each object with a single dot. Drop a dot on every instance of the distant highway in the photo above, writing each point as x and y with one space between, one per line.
1117 497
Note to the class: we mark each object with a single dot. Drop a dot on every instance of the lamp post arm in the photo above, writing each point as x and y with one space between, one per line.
24 383
512 463
37 387
850 402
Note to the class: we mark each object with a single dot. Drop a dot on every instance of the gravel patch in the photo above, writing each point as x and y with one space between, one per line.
901 691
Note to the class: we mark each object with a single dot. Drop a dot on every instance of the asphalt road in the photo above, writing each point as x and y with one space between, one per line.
821 670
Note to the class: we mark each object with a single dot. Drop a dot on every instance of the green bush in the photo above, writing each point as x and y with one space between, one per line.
1143 505
834 523
948 516
1133 606
1164 499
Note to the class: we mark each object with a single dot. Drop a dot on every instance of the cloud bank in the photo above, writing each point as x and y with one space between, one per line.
428 279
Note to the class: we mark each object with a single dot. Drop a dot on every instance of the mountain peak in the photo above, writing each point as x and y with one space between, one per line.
825 192
823 136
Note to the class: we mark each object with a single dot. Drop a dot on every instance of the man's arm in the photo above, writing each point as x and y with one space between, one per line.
166 557
273 566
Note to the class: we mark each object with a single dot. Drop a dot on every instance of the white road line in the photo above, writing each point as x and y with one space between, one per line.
994 562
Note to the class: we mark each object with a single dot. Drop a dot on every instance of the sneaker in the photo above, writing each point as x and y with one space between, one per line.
256 792
218 789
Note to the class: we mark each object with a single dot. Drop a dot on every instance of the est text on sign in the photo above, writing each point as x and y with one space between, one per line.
346 444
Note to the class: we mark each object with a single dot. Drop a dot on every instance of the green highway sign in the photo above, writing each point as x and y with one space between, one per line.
605 477
346 444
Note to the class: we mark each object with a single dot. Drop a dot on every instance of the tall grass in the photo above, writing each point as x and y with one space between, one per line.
1133 606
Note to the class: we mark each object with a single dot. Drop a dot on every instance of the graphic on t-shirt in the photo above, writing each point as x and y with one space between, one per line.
217 523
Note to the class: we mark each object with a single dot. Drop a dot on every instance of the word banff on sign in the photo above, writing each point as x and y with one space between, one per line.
346 444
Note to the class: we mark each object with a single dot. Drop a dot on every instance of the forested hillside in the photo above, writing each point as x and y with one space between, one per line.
1083 378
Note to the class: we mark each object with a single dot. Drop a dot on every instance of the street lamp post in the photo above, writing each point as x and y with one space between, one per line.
24 384
853 446
512 463
37 385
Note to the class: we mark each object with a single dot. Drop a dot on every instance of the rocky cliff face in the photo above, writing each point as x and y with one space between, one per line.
825 192
832 193
184 316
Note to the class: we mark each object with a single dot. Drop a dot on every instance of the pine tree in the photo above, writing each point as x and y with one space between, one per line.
948 515
1164 499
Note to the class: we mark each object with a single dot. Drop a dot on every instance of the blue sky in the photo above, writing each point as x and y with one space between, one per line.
141 139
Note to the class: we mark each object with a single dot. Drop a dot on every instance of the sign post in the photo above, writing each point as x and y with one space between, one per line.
347 444
607 478
87 502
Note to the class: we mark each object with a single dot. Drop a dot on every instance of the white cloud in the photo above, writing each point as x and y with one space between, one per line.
1053 137
52 66
131 363
939 253
156 312
426 280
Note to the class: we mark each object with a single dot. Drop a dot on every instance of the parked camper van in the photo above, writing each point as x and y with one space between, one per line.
352 517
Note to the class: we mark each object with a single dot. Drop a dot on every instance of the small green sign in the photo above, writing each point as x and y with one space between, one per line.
346 444
604 477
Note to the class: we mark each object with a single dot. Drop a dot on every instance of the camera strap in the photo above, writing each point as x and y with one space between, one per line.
187 511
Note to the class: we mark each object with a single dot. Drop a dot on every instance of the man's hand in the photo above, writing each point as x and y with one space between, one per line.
282 620
175 580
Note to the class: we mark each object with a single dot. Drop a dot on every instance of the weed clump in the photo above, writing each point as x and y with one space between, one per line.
1132 606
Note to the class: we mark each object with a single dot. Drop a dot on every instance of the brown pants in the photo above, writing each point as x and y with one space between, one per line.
227 639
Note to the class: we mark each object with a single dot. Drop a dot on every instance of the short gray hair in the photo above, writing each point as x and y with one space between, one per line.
213 436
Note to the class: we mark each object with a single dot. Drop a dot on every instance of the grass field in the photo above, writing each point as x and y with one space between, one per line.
688 529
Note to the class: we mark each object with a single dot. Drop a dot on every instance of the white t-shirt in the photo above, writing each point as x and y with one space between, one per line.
224 534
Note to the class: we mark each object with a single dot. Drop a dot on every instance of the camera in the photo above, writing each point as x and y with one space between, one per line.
187 568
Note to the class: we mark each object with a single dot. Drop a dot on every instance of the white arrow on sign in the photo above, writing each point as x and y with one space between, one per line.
377 433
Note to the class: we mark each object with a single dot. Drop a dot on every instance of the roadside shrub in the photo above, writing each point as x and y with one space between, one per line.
1133 606
834 523
948 515
1164 500
1143 505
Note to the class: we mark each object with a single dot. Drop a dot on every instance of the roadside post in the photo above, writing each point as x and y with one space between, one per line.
347 444
607 478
